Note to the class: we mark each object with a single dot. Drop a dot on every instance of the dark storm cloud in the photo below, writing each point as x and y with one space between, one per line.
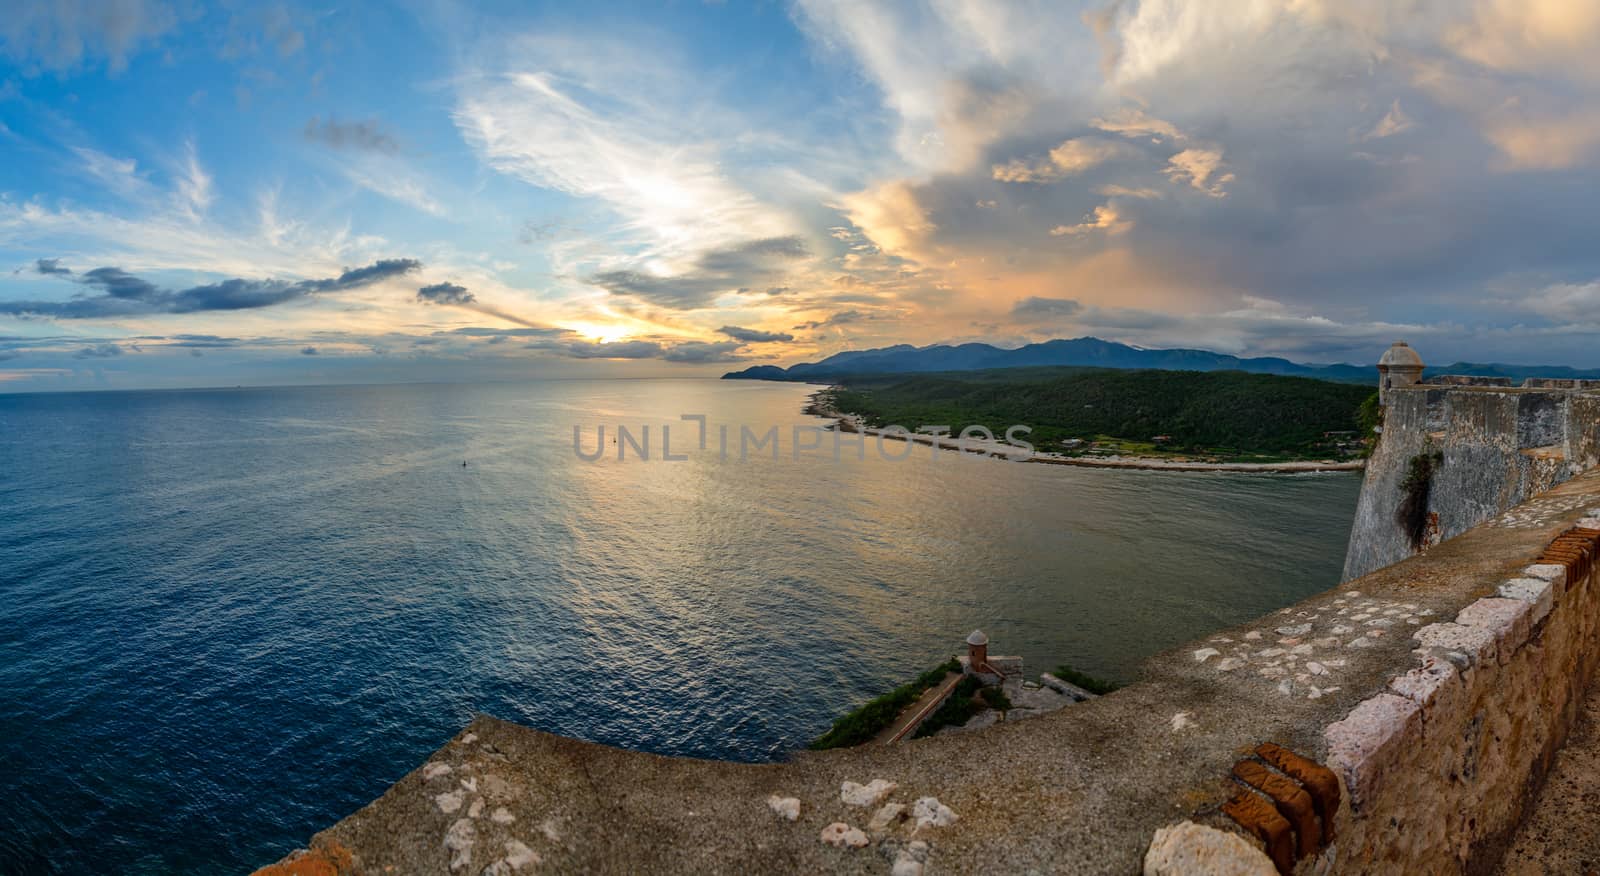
123 294
445 293
734 268
51 266
367 136
754 336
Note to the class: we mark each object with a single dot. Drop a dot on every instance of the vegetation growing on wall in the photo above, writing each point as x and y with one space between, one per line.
1085 680
958 709
1412 514
1368 418
867 721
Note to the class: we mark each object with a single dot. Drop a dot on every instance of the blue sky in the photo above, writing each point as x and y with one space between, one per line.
202 194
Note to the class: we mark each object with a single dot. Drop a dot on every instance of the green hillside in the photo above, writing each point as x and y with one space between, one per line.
1222 414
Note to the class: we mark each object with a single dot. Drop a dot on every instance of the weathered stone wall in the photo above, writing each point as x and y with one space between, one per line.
1435 771
1438 767
1500 446
1398 724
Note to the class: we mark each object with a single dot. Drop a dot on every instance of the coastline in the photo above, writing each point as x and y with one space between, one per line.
818 408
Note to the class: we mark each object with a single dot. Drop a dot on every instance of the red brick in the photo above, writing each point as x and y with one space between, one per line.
1318 780
1256 815
1293 803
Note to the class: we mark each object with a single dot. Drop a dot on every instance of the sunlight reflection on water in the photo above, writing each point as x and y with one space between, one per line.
230 618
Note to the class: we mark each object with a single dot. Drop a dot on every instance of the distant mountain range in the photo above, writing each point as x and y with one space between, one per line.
1096 353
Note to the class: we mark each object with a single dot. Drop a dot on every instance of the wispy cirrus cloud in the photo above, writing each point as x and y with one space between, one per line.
663 183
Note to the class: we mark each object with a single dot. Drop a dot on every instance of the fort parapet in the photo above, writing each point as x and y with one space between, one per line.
1401 722
1462 450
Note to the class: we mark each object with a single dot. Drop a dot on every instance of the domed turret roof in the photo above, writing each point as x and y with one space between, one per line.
977 638
1401 355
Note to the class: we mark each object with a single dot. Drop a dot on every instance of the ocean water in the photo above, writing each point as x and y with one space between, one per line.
230 618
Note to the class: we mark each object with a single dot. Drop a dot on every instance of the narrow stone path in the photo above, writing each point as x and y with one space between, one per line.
914 713
1562 832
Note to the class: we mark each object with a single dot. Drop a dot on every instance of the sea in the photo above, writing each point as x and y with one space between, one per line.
229 618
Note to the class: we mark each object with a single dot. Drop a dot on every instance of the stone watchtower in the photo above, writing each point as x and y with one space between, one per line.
1399 366
977 650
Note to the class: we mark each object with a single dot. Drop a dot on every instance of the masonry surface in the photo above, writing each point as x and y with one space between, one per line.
1437 691
1498 445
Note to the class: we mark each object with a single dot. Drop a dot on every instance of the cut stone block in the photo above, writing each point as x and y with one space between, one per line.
1366 747
1535 591
1473 644
1507 619
1189 849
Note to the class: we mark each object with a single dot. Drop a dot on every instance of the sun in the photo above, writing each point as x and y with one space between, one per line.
604 334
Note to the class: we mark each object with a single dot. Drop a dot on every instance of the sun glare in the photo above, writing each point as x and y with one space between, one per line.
604 334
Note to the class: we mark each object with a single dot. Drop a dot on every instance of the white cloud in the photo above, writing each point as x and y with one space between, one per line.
1143 193
665 186
957 74
392 180
1071 158
1200 168
1133 122
1395 121
118 175
1104 218
1566 302
194 193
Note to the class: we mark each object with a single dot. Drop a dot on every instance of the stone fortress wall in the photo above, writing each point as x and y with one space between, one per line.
1499 445
1402 722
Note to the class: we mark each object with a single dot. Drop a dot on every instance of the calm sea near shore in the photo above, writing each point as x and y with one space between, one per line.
230 618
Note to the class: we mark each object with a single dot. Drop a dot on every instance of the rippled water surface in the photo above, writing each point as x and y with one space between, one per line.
229 618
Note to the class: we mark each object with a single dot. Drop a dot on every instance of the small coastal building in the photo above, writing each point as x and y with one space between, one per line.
989 670
977 648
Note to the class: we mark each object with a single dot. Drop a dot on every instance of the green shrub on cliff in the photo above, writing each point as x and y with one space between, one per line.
1368 418
868 720
1085 680
958 709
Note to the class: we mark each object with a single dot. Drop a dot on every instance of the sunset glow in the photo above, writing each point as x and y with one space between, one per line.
646 191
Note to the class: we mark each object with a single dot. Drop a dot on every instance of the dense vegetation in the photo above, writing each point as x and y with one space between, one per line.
871 718
963 702
1222 413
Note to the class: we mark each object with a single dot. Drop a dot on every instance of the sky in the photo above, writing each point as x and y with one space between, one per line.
200 194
